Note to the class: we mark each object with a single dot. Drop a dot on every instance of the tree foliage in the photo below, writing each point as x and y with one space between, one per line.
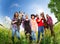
54 6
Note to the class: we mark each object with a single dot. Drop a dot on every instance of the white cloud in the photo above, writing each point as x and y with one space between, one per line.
36 8
15 5
5 21
54 18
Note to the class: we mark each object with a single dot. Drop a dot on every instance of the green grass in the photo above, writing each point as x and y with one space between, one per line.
5 36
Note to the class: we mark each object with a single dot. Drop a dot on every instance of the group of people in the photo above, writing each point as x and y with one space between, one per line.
36 22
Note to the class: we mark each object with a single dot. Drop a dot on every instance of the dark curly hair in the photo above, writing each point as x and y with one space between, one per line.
32 15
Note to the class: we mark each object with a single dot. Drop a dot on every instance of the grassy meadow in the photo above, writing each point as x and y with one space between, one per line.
5 37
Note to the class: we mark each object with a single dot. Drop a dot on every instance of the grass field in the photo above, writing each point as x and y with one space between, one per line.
5 37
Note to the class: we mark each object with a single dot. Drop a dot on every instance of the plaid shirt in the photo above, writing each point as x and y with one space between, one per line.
49 21
14 25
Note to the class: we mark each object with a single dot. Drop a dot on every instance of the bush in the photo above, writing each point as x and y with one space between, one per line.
5 37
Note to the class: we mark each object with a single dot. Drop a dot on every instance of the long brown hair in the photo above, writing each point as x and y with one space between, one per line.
16 14
44 19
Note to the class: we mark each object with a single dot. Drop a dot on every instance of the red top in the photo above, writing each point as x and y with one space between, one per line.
40 22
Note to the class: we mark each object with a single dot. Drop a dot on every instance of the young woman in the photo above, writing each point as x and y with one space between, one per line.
45 22
15 29
50 24
27 27
33 26
40 23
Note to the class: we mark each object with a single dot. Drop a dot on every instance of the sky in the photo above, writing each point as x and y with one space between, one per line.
8 7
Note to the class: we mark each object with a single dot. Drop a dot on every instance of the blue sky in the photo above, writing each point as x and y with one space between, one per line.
8 7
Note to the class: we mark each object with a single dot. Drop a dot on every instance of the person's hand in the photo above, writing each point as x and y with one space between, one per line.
39 20
14 22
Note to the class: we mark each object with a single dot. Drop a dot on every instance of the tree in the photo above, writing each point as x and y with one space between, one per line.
54 6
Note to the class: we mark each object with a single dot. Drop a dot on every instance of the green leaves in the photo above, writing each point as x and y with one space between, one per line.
54 6
5 37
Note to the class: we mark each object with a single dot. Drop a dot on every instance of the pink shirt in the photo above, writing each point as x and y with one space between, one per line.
33 25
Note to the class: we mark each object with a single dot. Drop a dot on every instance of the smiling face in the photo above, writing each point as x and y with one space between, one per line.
42 14
26 16
32 17
16 15
47 15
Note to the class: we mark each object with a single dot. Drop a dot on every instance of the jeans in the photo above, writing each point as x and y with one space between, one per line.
15 31
51 29
33 35
40 30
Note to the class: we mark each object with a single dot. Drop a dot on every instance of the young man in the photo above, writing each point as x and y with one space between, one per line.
27 27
